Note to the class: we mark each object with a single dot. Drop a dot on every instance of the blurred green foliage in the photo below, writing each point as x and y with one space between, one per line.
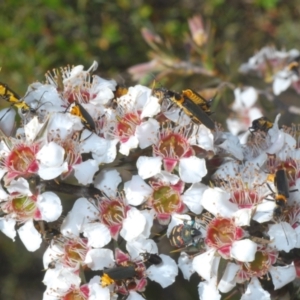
40 35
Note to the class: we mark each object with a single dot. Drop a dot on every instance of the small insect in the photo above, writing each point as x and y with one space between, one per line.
120 91
199 100
261 241
262 124
106 280
8 94
13 98
192 104
282 186
184 235
292 69
294 66
48 231
151 258
86 119
52 264
117 274
283 192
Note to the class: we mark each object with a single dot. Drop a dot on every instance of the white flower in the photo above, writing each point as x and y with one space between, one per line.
59 281
244 99
141 97
64 124
103 150
103 89
206 265
131 128
24 208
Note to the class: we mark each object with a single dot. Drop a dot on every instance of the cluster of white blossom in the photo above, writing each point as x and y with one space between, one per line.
134 161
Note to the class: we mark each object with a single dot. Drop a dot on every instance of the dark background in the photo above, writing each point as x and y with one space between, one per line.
37 36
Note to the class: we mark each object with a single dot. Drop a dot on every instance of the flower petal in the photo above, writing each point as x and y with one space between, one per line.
131 143
98 234
98 259
137 190
7 226
30 237
165 272
207 290
148 166
50 206
147 133
133 225
281 276
203 263
82 212
243 250
192 169
192 197
85 171
20 186
255 291
185 264
283 236
107 181
217 202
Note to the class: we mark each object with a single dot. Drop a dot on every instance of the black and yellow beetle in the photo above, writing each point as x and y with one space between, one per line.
120 273
282 193
199 100
13 98
8 94
192 104
86 119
